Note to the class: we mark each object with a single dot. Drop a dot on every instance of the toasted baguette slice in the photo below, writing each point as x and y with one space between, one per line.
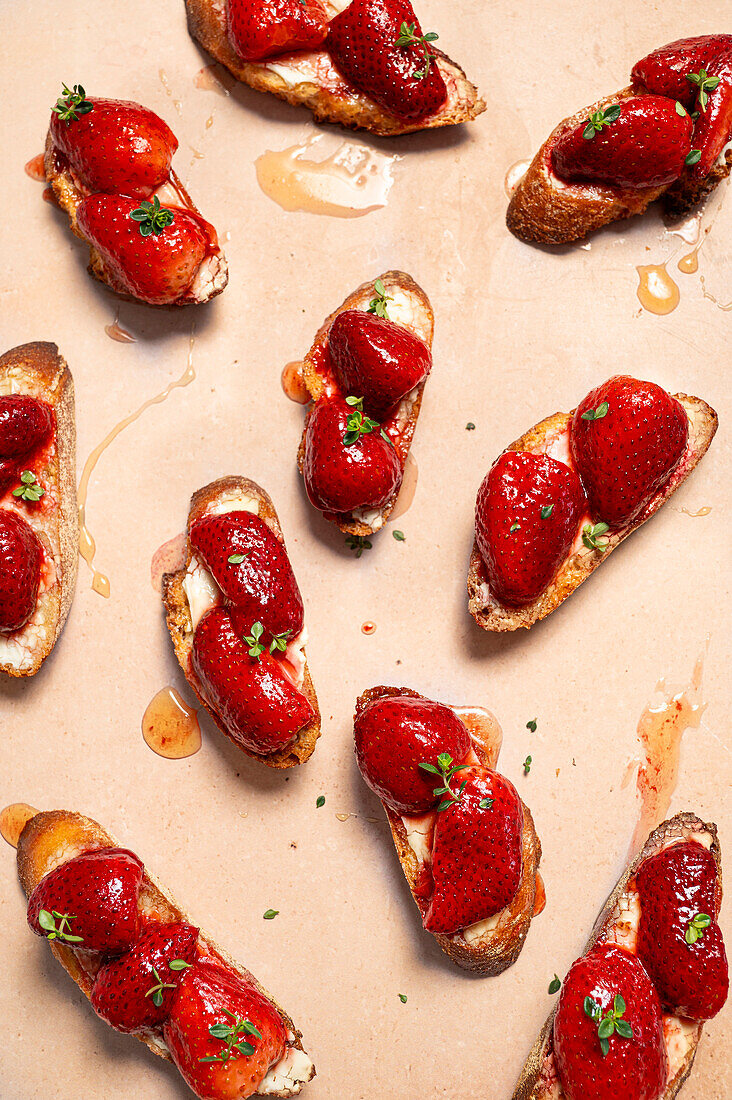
409 306
230 494
492 615
545 209
213 274
308 78
39 371
51 839
617 922
497 948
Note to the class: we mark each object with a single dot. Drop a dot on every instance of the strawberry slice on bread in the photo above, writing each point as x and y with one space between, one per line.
465 840
616 1030
561 498
235 616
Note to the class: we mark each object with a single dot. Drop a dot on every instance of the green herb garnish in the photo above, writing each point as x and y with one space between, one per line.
236 559
514 527
705 84
279 642
29 488
592 536
527 765
693 157
555 984
357 424
547 511
61 931
486 803
697 927
610 1023
152 217
446 770
232 1035
599 119
596 414
470 426
270 914
403 998
253 640
71 104
531 725
359 543
408 39
377 305
399 536
320 800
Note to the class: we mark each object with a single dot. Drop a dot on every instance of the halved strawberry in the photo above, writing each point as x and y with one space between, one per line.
347 462
376 359
222 1033
259 705
679 940
665 71
476 850
25 423
379 47
137 989
264 28
397 733
608 1030
526 518
21 555
111 144
90 902
151 252
252 569
627 438
642 141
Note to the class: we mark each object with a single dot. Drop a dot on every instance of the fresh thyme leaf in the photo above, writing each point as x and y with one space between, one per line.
599 119
320 800
598 413
357 424
697 927
527 765
377 305
531 725
555 984
60 931
29 488
446 770
399 536
547 511
609 1023
253 640
152 217
705 84
486 803
403 998
592 536
514 527
470 426
279 642
71 104
270 914
358 543
693 157
236 559
408 39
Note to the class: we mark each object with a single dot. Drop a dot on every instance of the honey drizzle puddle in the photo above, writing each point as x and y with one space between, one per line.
170 727
116 332
657 292
660 730
293 383
408 489
35 169
710 298
13 819
514 175
352 181
168 91
87 545
695 515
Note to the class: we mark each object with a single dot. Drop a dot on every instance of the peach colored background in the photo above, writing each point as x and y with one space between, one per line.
520 332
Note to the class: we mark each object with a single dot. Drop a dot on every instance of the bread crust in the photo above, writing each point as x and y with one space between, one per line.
178 619
356 111
529 1085
495 955
425 320
69 195
38 369
545 210
52 838
577 567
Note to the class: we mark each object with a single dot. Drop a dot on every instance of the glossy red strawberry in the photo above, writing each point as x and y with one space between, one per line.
9 474
137 989
25 423
665 71
111 144
627 438
378 45
713 127
21 555
376 359
340 476
640 142
264 28
679 940
526 518
90 902
154 258
609 982
257 702
260 587
222 1033
476 851
397 733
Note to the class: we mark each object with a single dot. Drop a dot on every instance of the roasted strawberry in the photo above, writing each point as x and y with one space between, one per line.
627 438
640 142
152 252
111 144
666 71
476 849
252 569
21 555
25 423
90 902
138 989
396 734
379 47
608 1030
526 518
679 940
222 1033
264 28
713 127
347 462
376 359
247 687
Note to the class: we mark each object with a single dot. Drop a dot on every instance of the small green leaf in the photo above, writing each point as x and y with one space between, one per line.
618 1005
157 998
514 527
399 536
624 1029
555 984
429 768
320 800
592 537
46 920
527 765
179 964
590 1007
270 914
486 803
547 511
531 725
680 109
29 489
604 1047
606 1028
612 114
377 305
245 1048
470 426
279 642
693 157
358 543
403 998
220 1031
408 39
71 104
236 559
596 414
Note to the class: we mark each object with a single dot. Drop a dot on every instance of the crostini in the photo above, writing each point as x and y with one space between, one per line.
465 840
365 373
632 1008
147 970
108 162
39 520
236 618
560 499
667 135
365 64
